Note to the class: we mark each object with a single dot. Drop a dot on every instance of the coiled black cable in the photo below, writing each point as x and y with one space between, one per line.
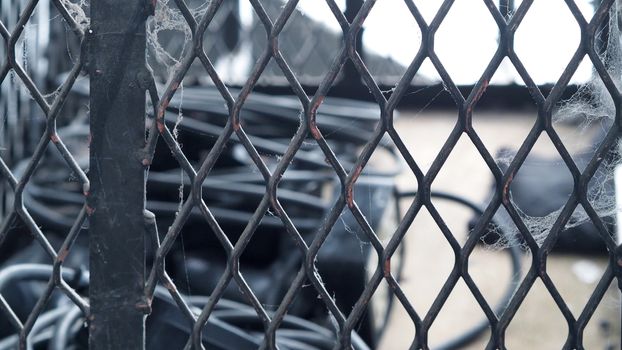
269 121
234 324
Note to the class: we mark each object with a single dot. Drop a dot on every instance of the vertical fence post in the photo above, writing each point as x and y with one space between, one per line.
351 77
116 200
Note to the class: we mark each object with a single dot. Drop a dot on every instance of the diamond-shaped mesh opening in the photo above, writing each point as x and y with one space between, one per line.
454 34
307 47
398 333
503 272
600 319
465 158
375 29
446 326
424 240
424 130
582 272
526 176
486 116
525 321
548 40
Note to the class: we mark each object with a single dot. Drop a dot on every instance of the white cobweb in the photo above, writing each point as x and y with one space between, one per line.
168 34
77 10
591 104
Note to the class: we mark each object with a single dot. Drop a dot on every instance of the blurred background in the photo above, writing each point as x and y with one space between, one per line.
465 43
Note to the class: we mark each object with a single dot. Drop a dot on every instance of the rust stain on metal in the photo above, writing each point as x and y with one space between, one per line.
274 203
160 125
387 268
315 132
506 189
350 197
317 103
485 85
350 188
481 91
162 109
170 286
62 255
144 307
479 94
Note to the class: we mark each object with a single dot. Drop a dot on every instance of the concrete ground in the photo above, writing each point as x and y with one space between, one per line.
538 323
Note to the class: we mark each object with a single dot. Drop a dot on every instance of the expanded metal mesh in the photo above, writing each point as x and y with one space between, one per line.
31 80
346 320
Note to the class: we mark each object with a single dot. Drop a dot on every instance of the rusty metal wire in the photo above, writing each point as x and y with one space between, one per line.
346 320
51 109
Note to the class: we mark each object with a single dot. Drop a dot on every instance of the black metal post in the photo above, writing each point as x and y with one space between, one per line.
351 77
116 200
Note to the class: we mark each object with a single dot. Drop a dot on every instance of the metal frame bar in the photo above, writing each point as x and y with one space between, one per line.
116 202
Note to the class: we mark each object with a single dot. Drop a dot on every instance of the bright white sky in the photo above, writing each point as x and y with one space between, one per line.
467 38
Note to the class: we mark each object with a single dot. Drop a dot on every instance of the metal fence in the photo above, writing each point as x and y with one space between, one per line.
123 286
